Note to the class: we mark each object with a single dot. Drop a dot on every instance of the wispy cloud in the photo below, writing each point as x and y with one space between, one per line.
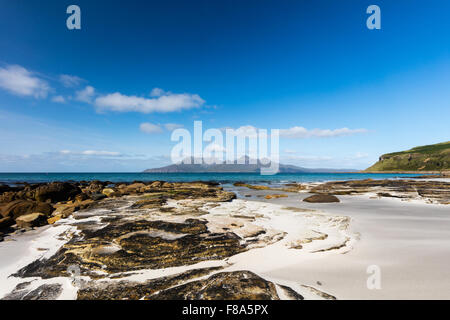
301 132
173 126
169 102
92 153
85 95
157 92
148 127
298 132
83 161
70 81
59 99
19 81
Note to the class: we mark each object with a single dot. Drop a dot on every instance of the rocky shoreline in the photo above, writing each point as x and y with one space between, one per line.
161 240
33 205
115 230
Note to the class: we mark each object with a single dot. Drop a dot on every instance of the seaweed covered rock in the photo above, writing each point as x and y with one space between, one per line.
237 285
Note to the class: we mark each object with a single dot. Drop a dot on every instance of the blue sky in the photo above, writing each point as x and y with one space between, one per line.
84 100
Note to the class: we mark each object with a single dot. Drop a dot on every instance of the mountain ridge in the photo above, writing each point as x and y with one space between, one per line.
236 167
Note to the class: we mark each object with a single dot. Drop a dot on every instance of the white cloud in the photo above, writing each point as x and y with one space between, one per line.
85 95
289 151
157 92
59 99
22 82
300 132
92 153
150 128
69 80
295 132
166 103
100 153
172 126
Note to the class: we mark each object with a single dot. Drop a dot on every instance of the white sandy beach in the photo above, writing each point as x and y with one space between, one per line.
409 241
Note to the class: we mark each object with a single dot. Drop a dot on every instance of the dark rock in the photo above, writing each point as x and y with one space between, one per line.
149 203
141 245
18 208
43 292
321 198
130 290
6 222
435 191
98 196
4 188
57 191
237 285
8 196
31 220
95 187
81 197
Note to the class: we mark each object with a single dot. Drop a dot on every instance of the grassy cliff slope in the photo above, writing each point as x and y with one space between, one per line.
435 157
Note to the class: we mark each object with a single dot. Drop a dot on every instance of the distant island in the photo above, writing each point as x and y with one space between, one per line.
236 167
430 158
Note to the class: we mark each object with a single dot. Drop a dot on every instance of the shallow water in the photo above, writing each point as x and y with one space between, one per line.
11 178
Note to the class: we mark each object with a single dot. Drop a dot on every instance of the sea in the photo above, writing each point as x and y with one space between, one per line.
223 178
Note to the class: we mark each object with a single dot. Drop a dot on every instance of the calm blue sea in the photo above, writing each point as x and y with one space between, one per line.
11 178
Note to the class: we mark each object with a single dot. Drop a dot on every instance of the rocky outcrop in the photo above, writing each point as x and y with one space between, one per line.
31 220
126 246
18 208
289 187
431 191
238 285
165 241
275 196
64 198
57 191
321 198
6 222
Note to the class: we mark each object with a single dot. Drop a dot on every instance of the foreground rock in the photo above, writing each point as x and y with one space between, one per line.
162 241
57 191
289 187
31 220
321 198
17 208
137 245
238 285
58 200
